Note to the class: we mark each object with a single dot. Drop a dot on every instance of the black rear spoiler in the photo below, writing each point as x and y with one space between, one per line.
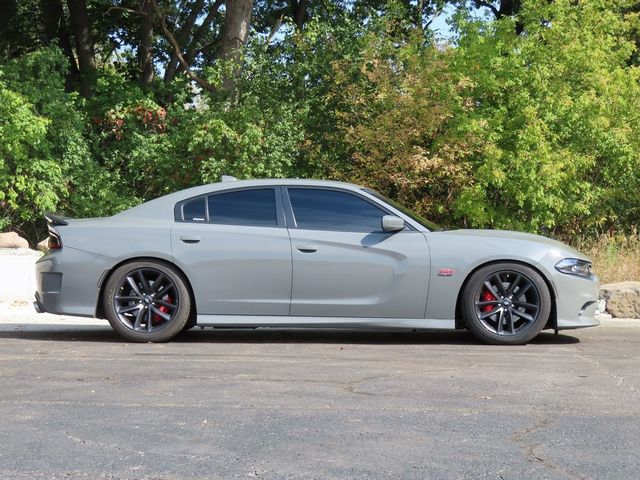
55 220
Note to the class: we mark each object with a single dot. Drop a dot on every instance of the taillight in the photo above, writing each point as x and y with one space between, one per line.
55 242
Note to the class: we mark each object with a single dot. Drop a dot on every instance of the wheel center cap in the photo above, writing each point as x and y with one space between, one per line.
146 299
506 302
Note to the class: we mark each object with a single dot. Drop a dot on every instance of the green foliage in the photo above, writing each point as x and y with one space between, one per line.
27 172
526 122
54 168
535 131
557 107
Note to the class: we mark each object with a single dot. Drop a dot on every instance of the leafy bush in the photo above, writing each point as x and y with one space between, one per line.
528 122
557 107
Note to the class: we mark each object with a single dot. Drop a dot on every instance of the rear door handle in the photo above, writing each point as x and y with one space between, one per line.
185 239
307 247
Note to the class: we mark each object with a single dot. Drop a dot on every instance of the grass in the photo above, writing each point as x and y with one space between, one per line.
616 258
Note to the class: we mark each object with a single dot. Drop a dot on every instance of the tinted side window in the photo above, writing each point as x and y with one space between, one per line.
244 207
332 210
194 210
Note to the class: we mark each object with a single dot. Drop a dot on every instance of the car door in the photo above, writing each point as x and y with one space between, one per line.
236 252
344 265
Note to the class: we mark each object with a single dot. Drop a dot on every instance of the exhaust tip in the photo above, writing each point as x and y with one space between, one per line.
39 308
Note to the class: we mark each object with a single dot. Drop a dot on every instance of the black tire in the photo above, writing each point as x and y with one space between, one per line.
506 304
147 301
192 322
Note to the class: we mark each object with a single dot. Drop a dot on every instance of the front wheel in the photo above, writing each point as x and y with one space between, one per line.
147 301
506 304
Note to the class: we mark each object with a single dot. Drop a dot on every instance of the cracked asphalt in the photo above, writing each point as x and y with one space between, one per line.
77 402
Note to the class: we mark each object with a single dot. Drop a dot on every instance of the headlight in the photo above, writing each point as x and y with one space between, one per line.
574 266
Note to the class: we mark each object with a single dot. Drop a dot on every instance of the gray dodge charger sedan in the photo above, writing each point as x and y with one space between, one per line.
306 253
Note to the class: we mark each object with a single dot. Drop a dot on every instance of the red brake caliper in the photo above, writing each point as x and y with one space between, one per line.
157 318
487 296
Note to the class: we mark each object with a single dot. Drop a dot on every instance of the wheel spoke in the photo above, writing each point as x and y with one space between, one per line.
500 318
489 313
503 292
484 303
157 284
134 286
143 282
513 285
157 311
489 287
129 308
523 315
521 291
511 323
164 290
127 298
525 304
149 319
136 326
167 304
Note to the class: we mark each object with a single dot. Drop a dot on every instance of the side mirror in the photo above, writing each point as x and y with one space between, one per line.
391 223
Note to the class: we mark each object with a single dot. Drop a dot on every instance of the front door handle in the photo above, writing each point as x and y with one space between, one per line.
186 239
307 247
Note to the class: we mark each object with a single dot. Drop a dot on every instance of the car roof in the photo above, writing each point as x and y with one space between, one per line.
162 207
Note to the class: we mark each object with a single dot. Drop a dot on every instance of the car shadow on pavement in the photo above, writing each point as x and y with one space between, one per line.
80 333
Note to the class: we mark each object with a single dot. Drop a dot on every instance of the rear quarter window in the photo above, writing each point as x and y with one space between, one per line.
194 210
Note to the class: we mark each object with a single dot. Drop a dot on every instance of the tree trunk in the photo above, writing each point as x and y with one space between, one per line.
299 10
145 38
84 45
55 27
235 32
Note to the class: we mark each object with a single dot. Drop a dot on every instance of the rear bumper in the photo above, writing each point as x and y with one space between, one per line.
73 291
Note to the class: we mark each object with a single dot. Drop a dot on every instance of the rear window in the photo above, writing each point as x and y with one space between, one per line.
244 207
194 210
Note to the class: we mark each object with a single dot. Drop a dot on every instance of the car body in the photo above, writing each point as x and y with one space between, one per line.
306 253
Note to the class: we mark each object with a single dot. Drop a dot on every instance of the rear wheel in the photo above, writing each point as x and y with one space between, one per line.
506 304
147 301
192 322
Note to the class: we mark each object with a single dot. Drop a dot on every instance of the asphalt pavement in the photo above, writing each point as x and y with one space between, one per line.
78 402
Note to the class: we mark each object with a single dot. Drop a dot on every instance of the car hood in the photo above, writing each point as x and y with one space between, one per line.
522 236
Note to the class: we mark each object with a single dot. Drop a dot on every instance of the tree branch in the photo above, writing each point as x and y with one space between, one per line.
177 50
434 16
203 28
174 43
275 28
128 10
182 34
482 3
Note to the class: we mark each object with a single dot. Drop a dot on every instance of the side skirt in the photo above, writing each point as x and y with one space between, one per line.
252 321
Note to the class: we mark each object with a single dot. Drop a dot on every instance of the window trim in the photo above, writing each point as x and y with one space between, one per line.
293 225
178 213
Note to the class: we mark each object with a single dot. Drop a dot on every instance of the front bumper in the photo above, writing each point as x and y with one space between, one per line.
576 297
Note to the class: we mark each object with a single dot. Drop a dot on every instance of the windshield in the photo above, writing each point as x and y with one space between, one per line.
414 216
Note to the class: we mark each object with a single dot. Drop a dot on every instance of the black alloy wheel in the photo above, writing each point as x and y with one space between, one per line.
506 303
147 301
